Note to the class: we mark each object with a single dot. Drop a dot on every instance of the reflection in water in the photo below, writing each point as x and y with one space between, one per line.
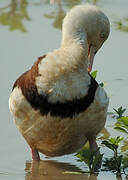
47 170
52 1
122 24
71 3
14 14
67 3
57 15
93 1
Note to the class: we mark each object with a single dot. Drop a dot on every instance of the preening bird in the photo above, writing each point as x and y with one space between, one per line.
57 106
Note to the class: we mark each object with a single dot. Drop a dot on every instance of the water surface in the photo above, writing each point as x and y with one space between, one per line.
29 29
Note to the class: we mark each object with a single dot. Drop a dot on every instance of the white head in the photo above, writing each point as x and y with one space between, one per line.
88 26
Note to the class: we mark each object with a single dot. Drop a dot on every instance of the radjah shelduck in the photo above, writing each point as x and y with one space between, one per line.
57 106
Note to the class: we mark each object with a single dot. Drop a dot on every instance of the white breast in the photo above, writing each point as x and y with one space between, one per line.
62 78
70 86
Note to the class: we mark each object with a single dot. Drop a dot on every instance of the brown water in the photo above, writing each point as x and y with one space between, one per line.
29 29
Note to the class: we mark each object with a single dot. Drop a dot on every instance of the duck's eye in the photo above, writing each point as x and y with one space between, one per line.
102 35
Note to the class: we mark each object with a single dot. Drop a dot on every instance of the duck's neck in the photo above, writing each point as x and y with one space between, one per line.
76 45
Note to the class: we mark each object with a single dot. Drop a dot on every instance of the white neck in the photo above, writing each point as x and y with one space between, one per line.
78 37
75 44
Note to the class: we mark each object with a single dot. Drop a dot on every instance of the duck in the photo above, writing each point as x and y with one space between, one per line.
57 105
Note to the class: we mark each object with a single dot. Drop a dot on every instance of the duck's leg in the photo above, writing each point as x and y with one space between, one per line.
35 155
94 147
93 144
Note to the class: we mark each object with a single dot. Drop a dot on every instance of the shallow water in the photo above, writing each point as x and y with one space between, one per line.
29 29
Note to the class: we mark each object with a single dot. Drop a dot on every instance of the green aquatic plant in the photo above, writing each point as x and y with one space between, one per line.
118 165
91 158
119 161
114 163
120 111
113 144
94 74
122 124
101 84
